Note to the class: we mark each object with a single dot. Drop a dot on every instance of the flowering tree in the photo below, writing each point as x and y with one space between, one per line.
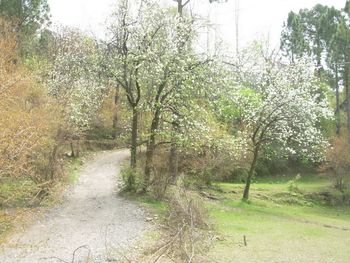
151 58
133 37
281 105
73 80
176 86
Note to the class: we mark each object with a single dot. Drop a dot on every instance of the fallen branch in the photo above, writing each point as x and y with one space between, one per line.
167 244
73 255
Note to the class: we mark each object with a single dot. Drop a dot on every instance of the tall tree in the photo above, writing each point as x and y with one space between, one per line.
172 81
73 80
28 14
309 32
315 33
280 105
128 53
340 57
173 156
27 17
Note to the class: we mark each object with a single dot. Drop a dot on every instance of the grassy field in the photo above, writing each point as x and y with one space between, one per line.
282 222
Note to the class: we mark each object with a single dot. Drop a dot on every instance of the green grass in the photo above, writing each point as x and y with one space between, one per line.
276 229
17 192
15 196
73 169
155 206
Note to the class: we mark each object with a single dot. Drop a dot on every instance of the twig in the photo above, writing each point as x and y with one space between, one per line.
167 244
61 260
77 249
73 256
108 255
191 233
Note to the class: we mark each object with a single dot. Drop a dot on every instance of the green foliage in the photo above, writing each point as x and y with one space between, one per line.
226 110
73 80
310 32
252 96
238 175
157 206
321 33
17 192
28 17
100 132
293 184
28 13
200 179
132 179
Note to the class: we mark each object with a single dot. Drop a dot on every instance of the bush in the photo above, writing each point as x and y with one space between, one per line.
98 132
293 184
131 179
185 237
28 122
239 175
338 162
201 169
17 192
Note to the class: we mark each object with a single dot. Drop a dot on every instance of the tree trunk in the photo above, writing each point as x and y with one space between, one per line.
173 157
179 7
251 172
347 95
52 164
337 106
149 162
77 149
72 154
133 148
116 113
151 145
319 64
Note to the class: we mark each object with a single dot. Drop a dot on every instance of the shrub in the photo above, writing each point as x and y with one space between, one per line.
293 184
28 122
209 165
131 178
185 237
338 162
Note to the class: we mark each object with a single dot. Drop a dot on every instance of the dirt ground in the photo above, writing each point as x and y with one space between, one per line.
93 223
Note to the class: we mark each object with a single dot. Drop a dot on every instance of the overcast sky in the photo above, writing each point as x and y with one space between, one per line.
257 18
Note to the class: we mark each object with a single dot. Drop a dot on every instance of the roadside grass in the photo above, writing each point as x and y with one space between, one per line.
73 168
279 223
277 229
17 192
157 207
156 211
16 199
18 203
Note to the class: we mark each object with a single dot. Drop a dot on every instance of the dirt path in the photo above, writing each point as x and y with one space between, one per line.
92 217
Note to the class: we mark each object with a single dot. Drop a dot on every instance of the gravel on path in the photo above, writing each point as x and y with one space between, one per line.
92 219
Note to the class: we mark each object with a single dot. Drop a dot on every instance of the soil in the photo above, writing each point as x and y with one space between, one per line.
92 224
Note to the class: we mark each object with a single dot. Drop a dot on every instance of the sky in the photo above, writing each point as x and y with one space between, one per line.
258 19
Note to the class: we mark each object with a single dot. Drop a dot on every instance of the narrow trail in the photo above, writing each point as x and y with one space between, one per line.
92 217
